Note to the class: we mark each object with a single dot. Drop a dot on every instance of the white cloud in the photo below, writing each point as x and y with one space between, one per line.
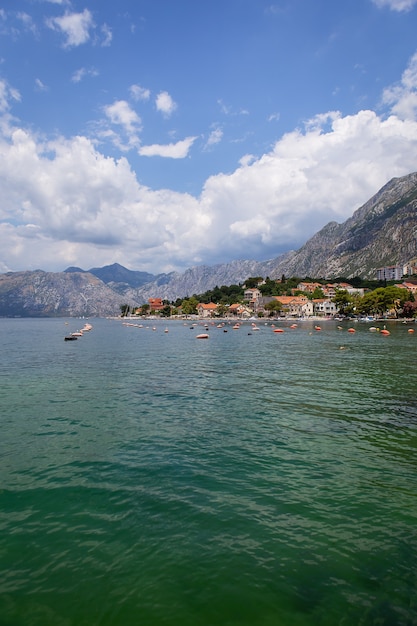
396 5
7 93
178 150
27 21
63 202
165 104
82 72
139 93
39 85
274 117
107 35
402 97
75 26
214 138
122 114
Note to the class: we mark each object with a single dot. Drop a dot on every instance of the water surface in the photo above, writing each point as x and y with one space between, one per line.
254 478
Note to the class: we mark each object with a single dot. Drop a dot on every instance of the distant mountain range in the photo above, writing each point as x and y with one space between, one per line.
382 232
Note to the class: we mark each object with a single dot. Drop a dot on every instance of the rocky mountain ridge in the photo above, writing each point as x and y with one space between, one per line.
382 232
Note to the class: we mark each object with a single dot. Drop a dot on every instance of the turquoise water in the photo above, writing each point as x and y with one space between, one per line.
250 479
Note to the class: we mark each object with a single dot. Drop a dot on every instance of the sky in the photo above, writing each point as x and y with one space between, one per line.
165 134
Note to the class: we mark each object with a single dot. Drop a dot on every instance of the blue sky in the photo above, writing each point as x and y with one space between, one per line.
166 134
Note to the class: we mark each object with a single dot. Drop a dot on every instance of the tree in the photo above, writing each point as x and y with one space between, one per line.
221 310
189 306
409 309
317 294
124 310
273 307
253 282
383 300
166 311
343 301
144 309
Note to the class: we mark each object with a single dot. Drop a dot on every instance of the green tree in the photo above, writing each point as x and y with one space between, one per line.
317 294
144 309
273 307
383 299
343 300
166 311
124 310
189 306
253 281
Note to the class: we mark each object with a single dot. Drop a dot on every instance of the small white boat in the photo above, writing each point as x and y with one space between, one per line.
202 336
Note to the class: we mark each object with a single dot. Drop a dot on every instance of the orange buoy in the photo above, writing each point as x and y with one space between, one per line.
411 330
384 331
278 330
317 327
351 330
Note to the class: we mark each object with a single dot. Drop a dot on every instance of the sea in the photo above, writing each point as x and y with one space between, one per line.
254 478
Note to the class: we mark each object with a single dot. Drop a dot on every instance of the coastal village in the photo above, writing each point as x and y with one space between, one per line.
307 299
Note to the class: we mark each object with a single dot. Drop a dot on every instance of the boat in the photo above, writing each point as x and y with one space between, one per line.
70 338
202 336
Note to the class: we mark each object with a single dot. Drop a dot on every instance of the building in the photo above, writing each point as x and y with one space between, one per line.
412 287
410 268
206 310
309 287
156 304
240 310
324 307
252 295
391 272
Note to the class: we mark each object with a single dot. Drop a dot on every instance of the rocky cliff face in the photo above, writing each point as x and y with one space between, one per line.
382 232
35 294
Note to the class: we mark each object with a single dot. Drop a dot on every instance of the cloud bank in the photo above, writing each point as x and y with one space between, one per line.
63 202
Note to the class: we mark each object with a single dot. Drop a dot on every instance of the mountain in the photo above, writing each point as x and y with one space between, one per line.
382 232
48 294
117 276
201 278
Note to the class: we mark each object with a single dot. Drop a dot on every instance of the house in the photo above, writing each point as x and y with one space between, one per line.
240 310
295 306
252 295
309 287
206 310
324 307
156 304
412 287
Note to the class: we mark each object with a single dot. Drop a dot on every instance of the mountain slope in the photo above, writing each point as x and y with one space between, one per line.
382 232
117 276
47 294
